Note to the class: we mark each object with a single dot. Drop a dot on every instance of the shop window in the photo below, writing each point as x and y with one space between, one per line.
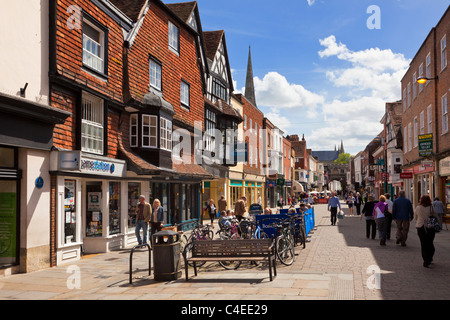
134 191
94 216
70 212
8 223
114 208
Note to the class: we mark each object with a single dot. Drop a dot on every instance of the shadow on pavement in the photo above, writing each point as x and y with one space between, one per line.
403 276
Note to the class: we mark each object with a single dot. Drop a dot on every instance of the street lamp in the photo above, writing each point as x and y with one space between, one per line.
423 80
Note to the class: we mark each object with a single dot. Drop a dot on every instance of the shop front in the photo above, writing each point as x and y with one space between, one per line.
422 182
252 190
444 173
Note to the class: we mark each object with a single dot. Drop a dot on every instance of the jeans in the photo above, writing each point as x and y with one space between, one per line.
371 226
388 224
334 211
426 242
382 225
141 224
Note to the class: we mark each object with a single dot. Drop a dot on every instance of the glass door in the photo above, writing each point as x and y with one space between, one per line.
8 223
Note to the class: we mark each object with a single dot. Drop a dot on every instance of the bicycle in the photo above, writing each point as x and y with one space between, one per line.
200 232
284 243
299 230
229 232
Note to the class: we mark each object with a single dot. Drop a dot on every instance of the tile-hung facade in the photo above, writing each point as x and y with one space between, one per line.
425 116
89 204
165 103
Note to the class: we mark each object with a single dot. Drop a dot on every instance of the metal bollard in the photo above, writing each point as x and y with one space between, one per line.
149 259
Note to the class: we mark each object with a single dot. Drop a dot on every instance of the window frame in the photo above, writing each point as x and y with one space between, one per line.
153 62
171 27
103 31
443 52
188 93
165 134
95 121
444 116
149 136
136 126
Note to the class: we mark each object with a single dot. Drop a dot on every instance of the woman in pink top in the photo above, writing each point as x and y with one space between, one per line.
380 219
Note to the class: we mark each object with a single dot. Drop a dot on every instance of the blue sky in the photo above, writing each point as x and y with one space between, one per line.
319 70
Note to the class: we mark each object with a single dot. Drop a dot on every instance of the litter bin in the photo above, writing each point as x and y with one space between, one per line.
166 255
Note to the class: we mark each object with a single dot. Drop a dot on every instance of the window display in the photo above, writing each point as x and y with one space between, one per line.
134 191
70 213
114 208
94 225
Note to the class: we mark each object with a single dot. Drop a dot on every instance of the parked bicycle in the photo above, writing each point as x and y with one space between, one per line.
284 242
299 230
200 232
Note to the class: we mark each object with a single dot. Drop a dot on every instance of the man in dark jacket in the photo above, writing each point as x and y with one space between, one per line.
402 214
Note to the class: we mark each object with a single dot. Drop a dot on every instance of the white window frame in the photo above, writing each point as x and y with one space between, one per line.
420 75
155 75
92 124
415 85
149 136
410 141
90 58
404 100
416 132
428 66
174 38
443 52
430 119
422 123
166 134
444 108
405 139
409 94
134 124
185 93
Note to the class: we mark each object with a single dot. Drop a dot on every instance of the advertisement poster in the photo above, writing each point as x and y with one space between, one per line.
8 203
94 201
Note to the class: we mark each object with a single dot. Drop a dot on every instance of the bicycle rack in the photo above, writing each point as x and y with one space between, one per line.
149 259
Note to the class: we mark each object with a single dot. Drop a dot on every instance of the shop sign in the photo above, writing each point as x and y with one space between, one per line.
406 175
444 167
425 145
79 162
427 164
281 182
271 184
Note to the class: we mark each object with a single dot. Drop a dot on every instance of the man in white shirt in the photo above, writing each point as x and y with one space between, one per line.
389 215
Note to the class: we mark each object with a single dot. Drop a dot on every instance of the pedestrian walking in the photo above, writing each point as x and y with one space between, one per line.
358 203
388 215
240 209
157 219
439 209
402 214
379 212
350 203
212 211
222 204
333 205
426 235
143 215
371 226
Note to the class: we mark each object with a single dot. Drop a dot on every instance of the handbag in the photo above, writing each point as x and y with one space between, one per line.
433 223
341 215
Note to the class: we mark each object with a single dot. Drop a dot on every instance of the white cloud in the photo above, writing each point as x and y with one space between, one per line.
311 2
275 91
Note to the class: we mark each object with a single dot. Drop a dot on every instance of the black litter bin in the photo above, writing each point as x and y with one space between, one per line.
166 255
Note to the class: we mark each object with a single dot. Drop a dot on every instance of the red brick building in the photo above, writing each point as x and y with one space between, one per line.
425 116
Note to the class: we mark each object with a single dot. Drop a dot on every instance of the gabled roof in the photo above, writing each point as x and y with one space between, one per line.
131 8
212 41
183 10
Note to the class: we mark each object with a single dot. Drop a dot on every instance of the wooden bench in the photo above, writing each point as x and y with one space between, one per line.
232 250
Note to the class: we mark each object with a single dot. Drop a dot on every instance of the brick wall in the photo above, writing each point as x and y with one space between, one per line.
64 135
152 40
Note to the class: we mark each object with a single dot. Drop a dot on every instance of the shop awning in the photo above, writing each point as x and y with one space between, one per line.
298 187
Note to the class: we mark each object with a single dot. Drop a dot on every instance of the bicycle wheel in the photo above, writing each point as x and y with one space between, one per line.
302 233
188 251
285 250
230 265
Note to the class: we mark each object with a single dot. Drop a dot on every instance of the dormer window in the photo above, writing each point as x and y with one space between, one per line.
94 46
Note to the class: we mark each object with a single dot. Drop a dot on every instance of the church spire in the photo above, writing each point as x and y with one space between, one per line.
249 85
341 150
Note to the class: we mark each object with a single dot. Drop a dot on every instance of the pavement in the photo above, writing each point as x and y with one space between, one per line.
338 263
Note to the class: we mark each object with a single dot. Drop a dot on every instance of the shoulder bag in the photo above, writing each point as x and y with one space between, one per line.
433 222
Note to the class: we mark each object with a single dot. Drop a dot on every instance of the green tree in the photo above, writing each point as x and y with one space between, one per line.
344 158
